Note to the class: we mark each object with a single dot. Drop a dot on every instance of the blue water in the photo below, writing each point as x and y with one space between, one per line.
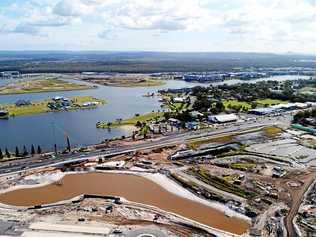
50 128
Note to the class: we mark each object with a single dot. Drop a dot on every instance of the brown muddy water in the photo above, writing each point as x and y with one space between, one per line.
133 188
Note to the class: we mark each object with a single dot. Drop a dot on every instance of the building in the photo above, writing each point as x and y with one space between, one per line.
4 114
22 103
196 114
10 74
174 122
279 108
261 111
179 100
192 125
223 118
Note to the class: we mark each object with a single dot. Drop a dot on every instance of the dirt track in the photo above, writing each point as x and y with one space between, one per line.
297 195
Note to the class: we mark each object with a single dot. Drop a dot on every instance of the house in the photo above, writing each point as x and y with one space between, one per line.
58 98
90 104
174 122
224 118
22 102
4 114
196 114
179 100
10 74
192 125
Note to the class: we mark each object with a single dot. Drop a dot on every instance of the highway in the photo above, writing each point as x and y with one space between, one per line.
16 166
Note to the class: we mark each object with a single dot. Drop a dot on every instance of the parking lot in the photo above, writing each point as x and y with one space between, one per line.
285 147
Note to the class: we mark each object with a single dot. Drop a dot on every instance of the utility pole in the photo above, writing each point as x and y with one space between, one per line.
54 137
68 144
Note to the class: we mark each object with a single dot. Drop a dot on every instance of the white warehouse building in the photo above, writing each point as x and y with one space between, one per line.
223 118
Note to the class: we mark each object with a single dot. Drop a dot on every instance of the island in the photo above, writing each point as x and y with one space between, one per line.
42 84
124 80
56 104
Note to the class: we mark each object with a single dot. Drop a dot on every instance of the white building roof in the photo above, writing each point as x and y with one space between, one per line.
224 118
179 99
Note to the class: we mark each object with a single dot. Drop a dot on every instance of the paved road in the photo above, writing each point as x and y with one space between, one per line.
171 139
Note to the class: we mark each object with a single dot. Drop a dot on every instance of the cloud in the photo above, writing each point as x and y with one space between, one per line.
241 22
73 8
25 29
159 15
271 20
107 35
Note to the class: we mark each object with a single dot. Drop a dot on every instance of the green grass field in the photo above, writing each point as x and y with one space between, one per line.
37 107
272 132
221 139
131 121
243 166
235 103
263 102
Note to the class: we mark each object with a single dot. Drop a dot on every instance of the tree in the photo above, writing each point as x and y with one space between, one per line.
7 153
32 150
68 144
39 150
220 107
202 104
254 105
17 152
138 124
167 115
1 154
25 152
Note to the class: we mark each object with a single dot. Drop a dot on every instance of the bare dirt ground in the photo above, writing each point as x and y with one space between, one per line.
297 195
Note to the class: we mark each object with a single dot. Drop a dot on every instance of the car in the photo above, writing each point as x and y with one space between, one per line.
117 231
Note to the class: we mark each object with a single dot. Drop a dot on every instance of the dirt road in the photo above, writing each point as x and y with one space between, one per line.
297 196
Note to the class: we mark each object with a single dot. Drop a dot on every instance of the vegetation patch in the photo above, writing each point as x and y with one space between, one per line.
127 81
37 107
221 183
272 132
243 166
235 104
137 119
269 102
313 143
41 85
222 139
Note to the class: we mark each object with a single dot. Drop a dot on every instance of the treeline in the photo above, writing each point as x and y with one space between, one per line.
24 153
143 62
210 98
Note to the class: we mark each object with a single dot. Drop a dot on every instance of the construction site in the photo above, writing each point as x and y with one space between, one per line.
233 184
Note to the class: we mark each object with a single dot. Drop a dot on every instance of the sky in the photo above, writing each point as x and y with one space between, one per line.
278 26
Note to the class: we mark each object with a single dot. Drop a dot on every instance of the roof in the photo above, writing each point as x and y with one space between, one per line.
196 113
263 110
224 118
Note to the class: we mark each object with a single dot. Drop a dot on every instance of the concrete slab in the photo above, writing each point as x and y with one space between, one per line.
79 229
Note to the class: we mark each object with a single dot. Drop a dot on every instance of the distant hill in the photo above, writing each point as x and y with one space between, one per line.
108 61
